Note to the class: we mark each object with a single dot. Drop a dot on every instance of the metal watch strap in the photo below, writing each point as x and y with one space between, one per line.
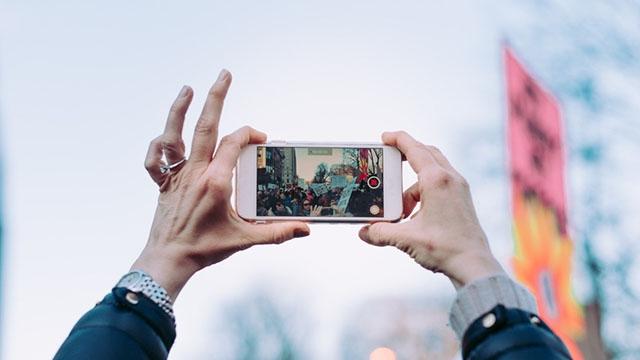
140 282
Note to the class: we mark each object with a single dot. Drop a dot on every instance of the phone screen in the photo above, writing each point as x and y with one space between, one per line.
320 181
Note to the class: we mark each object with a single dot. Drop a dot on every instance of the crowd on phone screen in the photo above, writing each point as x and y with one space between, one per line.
293 200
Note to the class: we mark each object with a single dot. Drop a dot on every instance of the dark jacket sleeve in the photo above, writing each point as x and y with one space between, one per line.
510 333
121 326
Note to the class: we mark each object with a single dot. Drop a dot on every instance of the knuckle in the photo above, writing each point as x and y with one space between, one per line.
463 182
172 143
417 150
432 148
170 140
444 179
217 185
377 238
149 165
227 139
231 140
376 234
439 178
204 126
422 147
217 93
429 244
214 186
278 236
155 141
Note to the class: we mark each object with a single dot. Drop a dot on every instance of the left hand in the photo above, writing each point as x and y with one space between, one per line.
195 225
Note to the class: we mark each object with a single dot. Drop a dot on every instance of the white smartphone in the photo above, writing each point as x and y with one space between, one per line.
319 182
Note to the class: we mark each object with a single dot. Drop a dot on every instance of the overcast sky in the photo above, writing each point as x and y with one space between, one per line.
85 86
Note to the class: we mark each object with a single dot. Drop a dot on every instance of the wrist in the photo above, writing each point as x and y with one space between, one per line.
168 270
482 295
471 266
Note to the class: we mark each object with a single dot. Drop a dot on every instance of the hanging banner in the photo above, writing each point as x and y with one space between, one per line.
543 248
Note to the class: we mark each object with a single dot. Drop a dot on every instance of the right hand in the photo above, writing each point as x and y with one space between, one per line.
445 234
195 224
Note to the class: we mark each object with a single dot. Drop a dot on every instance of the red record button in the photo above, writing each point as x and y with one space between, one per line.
373 182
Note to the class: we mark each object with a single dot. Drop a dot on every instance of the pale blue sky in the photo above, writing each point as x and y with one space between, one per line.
85 86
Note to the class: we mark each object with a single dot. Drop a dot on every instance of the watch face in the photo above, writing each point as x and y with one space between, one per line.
130 280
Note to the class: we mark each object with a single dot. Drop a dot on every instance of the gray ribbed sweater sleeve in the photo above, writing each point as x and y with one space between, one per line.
482 295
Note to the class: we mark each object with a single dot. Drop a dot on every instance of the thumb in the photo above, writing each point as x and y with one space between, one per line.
380 234
279 232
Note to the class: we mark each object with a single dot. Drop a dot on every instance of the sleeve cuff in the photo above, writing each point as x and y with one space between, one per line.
483 295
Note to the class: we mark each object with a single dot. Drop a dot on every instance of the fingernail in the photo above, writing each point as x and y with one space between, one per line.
298 233
184 91
223 75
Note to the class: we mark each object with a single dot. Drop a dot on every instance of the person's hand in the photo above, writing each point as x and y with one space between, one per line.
445 234
195 225
315 210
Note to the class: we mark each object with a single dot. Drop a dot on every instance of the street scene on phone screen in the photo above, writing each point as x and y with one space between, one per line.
319 181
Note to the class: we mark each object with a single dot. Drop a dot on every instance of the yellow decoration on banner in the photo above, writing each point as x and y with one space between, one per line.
542 262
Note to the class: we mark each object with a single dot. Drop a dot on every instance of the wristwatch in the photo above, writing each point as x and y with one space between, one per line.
139 281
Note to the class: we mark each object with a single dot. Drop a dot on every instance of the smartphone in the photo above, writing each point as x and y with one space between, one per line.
319 182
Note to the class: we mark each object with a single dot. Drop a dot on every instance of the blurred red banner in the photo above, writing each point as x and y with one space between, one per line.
543 248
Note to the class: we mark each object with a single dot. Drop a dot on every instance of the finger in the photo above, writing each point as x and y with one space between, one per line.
206 133
317 210
229 150
380 234
417 154
410 198
441 159
172 143
175 120
153 161
277 233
